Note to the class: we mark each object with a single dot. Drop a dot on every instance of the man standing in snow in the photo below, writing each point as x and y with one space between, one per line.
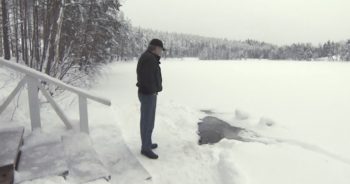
149 83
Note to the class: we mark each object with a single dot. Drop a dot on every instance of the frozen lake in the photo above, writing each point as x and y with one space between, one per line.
305 105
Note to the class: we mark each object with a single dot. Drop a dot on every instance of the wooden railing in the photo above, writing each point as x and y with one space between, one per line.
34 80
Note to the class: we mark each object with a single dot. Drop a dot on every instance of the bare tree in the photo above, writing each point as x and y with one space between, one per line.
5 30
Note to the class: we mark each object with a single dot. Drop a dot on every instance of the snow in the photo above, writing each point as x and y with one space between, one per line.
300 109
37 138
41 161
83 162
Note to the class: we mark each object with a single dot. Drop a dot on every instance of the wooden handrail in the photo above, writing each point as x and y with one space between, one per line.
32 79
43 77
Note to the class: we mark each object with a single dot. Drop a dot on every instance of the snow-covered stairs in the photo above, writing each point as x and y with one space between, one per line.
71 156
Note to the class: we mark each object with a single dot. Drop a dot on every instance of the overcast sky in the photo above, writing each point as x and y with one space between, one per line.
275 21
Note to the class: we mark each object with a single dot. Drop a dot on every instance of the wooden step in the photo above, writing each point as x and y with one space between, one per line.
10 141
83 162
43 159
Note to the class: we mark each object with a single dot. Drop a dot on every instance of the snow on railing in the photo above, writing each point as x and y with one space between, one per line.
33 80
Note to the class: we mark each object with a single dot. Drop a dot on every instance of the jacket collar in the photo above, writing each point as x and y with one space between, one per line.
155 55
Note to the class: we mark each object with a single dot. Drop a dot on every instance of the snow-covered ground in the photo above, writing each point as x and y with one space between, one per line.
307 104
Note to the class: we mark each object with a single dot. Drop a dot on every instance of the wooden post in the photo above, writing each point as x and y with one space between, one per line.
12 95
55 106
83 112
34 107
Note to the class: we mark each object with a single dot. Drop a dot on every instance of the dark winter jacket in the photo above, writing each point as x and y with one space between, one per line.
149 76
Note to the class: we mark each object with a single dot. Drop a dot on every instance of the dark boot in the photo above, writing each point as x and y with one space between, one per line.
149 153
154 146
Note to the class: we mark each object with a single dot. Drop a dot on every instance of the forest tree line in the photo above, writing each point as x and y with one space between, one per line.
205 48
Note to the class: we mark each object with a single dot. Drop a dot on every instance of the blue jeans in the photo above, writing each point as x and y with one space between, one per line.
148 112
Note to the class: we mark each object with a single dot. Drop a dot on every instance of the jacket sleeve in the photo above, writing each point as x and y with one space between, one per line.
158 76
147 77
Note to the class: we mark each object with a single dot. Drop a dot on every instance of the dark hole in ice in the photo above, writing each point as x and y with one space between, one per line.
212 129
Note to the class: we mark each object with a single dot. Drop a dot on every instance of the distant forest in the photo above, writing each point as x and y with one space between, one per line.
70 39
205 48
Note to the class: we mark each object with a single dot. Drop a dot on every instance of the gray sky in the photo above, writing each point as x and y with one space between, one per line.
275 21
